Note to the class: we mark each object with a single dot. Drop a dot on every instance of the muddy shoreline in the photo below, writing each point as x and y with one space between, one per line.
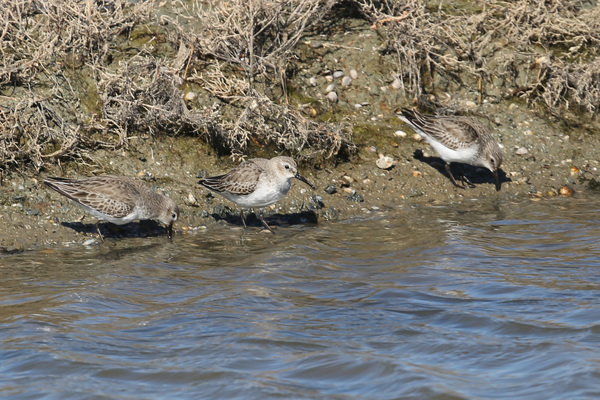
34 216
332 108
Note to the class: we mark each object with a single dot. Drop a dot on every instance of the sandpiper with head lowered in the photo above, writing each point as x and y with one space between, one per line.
256 183
457 139
117 199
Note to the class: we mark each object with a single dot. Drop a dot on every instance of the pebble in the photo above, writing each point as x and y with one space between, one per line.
356 197
566 191
316 202
330 88
338 74
313 81
330 189
353 74
470 103
346 81
146 176
401 134
329 78
332 97
91 242
331 213
396 84
347 180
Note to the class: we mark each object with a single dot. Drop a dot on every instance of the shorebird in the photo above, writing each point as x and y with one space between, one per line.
117 199
256 183
457 139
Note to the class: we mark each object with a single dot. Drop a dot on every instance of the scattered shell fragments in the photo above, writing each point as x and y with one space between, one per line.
330 88
353 74
346 81
385 162
332 97
338 74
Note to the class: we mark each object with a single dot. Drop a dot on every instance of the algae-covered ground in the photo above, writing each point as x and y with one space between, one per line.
169 100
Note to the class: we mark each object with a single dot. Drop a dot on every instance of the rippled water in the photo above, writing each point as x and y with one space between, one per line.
482 300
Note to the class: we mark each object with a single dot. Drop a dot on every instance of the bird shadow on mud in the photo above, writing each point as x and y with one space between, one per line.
146 228
475 175
232 217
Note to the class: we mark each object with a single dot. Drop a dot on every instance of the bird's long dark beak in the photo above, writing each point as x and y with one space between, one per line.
303 179
170 230
496 180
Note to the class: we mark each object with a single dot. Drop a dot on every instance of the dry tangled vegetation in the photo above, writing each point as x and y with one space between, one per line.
542 50
70 81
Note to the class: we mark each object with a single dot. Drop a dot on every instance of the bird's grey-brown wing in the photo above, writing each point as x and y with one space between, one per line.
452 131
112 196
241 180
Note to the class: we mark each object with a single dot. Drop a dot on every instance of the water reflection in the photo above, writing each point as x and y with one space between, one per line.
476 300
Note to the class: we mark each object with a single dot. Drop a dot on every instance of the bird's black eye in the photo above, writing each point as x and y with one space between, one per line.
287 166
173 215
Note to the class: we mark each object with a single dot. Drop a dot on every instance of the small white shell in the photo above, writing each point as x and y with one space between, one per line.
346 81
353 74
330 88
189 96
385 162
332 97
191 200
521 151
338 74
313 81
396 84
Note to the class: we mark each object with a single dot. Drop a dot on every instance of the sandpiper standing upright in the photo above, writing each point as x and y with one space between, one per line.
117 199
256 183
457 139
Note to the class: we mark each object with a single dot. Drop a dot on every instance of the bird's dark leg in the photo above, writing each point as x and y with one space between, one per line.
260 217
98 229
467 182
449 171
242 217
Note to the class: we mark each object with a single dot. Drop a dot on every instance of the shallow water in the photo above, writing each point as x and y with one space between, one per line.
478 301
